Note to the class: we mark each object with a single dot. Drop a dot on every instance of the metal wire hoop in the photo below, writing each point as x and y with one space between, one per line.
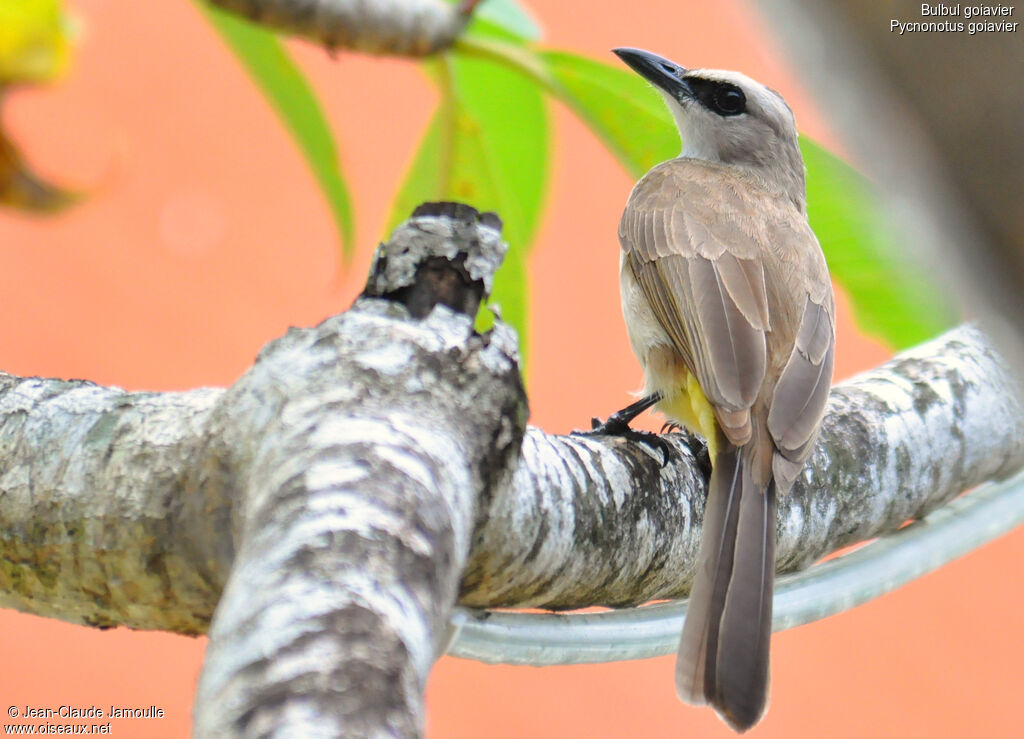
823 590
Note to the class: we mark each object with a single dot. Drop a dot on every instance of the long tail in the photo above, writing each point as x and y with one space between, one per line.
723 653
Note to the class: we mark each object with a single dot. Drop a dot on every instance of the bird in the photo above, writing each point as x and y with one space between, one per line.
728 305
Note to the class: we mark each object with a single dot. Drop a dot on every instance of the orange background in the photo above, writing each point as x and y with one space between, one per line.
204 237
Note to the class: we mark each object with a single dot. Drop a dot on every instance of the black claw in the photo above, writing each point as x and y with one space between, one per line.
597 428
701 455
616 427
670 427
652 440
612 427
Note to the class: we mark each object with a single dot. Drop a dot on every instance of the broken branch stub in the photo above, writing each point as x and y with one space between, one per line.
383 427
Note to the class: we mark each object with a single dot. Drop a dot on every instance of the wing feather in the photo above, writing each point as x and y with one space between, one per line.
735 348
798 402
701 241
744 281
702 278
665 307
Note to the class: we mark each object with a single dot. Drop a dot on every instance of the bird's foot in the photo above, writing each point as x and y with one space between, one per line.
698 447
699 450
616 426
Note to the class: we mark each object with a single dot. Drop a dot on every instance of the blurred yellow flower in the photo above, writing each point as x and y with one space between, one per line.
34 41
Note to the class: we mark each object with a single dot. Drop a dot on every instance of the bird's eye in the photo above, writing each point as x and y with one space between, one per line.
729 100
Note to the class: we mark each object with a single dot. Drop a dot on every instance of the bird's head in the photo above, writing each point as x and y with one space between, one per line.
727 117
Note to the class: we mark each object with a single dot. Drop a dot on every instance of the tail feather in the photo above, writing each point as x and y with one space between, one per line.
723 653
714 564
745 631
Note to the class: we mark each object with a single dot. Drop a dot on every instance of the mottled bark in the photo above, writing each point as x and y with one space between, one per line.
370 439
327 499
328 503
399 27
592 523
93 482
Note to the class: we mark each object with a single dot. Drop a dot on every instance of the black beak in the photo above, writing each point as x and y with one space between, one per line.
657 70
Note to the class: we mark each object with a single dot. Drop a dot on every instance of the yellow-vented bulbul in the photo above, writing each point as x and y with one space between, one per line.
729 308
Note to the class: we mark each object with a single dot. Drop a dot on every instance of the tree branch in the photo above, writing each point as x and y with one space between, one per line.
93 484
399 27
376 432
592 521
334 496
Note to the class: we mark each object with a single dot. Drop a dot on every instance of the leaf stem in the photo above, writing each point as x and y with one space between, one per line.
447 117
516 56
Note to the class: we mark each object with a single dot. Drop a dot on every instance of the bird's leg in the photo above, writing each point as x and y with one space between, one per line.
698 446
699 450
618 425
618 422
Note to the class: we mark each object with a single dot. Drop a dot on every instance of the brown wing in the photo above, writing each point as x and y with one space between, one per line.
798 402
699 237
691 240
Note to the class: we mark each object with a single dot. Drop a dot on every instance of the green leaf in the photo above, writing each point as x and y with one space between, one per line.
509 16
892 298
424 180
488 149
291 96
621 108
